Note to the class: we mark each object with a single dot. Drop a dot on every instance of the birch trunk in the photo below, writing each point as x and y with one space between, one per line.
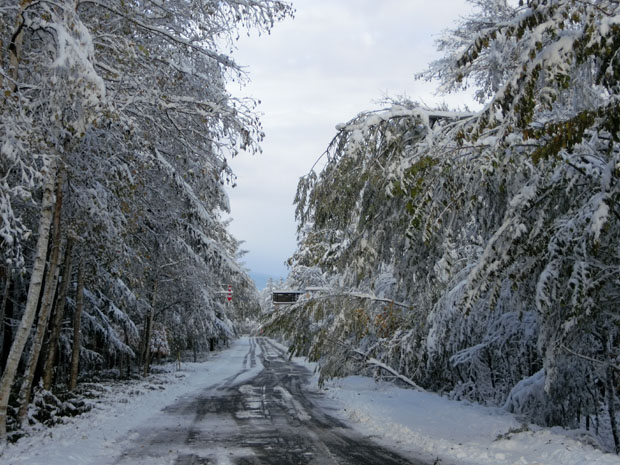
51 283
32 299
77 331
50 361
38 268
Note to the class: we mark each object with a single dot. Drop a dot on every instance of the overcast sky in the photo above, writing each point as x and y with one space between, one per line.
335 59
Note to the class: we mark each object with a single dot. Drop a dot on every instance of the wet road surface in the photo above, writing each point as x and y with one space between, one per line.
268 419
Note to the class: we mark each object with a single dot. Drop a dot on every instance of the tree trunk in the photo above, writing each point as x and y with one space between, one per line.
611 407
15 47
147 341
148 331
5 298
9 311
34 291
77 331
126 358
51 282
48 370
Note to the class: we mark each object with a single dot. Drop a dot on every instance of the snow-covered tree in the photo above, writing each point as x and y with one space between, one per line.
127 100
496 231
551 138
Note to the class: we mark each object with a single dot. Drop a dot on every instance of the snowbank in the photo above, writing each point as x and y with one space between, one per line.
455 432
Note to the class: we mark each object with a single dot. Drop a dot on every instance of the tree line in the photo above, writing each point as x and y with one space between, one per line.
476 254
115 131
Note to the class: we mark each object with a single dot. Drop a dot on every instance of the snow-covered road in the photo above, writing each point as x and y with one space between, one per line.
249 404
268 418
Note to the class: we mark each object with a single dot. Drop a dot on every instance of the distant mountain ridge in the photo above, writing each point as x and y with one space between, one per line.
260 279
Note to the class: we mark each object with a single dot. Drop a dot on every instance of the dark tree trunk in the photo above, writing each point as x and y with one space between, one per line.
3 303
148 331
126 357
77 331
611 407
50 361
7 330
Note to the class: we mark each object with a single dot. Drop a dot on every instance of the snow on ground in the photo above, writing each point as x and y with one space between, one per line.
98 437
423 424
455 432
449 432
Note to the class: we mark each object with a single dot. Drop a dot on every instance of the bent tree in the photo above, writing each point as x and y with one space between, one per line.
497 230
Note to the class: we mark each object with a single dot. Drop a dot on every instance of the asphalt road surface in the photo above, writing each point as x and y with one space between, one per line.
267 419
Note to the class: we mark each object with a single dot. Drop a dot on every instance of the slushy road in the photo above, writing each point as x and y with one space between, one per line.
261 414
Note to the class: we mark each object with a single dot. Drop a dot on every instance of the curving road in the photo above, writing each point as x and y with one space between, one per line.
256 417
